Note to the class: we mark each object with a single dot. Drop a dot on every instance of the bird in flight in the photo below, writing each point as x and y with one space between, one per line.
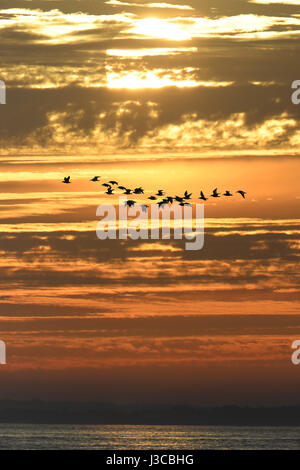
242 193
109 191
138 190
129 203
187 195
66 180
127 191
96 178
215 193
202 196
113 182
106 185
160 192
227 193
152 198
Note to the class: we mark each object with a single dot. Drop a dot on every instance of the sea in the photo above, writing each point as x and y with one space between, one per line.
139 437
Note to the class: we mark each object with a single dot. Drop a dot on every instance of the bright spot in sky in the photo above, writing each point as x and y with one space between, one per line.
136 53
157 79
134 80
160 28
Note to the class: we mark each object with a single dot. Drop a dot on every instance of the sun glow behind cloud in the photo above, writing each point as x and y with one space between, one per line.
103 66
56 27
155 51
149 5
156 79
243 26
281 2
160 28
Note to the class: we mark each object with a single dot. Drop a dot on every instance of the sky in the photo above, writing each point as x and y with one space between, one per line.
174 95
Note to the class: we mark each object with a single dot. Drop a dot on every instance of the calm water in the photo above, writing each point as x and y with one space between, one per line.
27 436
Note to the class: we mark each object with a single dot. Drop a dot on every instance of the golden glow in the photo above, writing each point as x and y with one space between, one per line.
239 26
156 79
150 5
156 51
160 28
270 2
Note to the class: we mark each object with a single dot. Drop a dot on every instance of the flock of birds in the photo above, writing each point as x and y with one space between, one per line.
112 186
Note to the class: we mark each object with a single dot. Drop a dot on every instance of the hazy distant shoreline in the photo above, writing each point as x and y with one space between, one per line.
42 412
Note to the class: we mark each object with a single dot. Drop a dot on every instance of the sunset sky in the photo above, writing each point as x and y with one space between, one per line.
175 95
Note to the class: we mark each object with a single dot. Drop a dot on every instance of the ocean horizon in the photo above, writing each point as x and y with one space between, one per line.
141 437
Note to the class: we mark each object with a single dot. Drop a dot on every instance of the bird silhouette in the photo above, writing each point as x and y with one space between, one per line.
202 196
152 198
215 193
113 182
96 178
165 200
122 188
66 180
127 191
138 190
109 191
160 192
129 203
187 195
178 198
170 199
161 204
227 193
242 193
106 185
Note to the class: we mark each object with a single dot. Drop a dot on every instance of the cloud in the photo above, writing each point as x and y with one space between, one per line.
243 26
273 2
55 27
149 5
204 117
